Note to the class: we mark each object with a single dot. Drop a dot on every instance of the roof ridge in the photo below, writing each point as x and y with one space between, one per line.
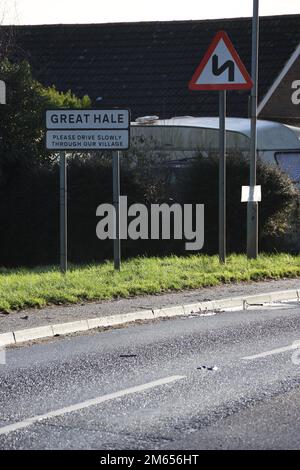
206 20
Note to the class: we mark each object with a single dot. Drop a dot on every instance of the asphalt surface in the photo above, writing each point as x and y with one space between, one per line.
225 381
31 318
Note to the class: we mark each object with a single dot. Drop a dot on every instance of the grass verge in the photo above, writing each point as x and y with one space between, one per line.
22 288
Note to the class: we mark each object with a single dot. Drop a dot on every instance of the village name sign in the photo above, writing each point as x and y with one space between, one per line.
86 130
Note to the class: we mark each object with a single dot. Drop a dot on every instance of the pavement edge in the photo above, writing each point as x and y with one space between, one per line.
204 308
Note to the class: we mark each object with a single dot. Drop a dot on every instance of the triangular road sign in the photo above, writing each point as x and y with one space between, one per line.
221 68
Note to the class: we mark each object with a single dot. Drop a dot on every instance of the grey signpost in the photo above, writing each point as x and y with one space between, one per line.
73 130
221 69
63 212
252 206
222 176
116 200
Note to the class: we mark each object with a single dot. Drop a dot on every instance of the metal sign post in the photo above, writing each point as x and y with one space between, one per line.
87 130
63 212
116 201
252 206
222 177
221 69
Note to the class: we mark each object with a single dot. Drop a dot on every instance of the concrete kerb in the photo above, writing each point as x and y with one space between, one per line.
30 334
6 339
207 307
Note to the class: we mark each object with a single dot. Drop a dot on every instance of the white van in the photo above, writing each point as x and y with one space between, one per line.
180 139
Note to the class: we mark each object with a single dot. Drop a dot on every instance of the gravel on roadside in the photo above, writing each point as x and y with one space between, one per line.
31 318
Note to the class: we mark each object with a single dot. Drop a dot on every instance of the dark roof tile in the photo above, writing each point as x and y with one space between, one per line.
147 66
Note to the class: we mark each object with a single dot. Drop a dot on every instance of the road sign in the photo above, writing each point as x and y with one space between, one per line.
87 130
87 140
221 68
2 92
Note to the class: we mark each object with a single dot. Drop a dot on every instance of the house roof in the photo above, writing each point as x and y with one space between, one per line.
282 101
146 66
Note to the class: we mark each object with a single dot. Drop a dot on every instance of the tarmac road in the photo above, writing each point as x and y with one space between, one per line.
225 381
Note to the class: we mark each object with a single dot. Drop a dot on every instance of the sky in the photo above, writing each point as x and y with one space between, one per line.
104 11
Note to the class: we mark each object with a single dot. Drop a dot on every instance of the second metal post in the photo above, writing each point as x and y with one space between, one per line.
252 206
116 201
63 212
222 177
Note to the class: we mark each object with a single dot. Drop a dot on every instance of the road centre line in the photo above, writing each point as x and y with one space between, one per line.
291 347
86 404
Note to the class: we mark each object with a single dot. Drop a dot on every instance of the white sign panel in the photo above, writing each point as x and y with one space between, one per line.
86 130
251 194
213 71
221 68
87 119
87 140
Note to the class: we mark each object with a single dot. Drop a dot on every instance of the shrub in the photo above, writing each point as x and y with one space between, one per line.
279 197
29 188
30 211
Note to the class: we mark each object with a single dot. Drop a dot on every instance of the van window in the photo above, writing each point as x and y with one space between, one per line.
290 163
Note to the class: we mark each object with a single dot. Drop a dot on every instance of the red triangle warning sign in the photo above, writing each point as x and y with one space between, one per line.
221 68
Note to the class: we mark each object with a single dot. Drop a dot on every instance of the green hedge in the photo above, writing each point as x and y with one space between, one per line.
277 209
29 188
29 214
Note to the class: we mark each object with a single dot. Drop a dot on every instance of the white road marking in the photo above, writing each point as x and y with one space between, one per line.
86 404
291 347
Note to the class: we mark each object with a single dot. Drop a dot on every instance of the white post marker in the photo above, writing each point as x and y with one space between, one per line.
2 92
221 69
251 194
